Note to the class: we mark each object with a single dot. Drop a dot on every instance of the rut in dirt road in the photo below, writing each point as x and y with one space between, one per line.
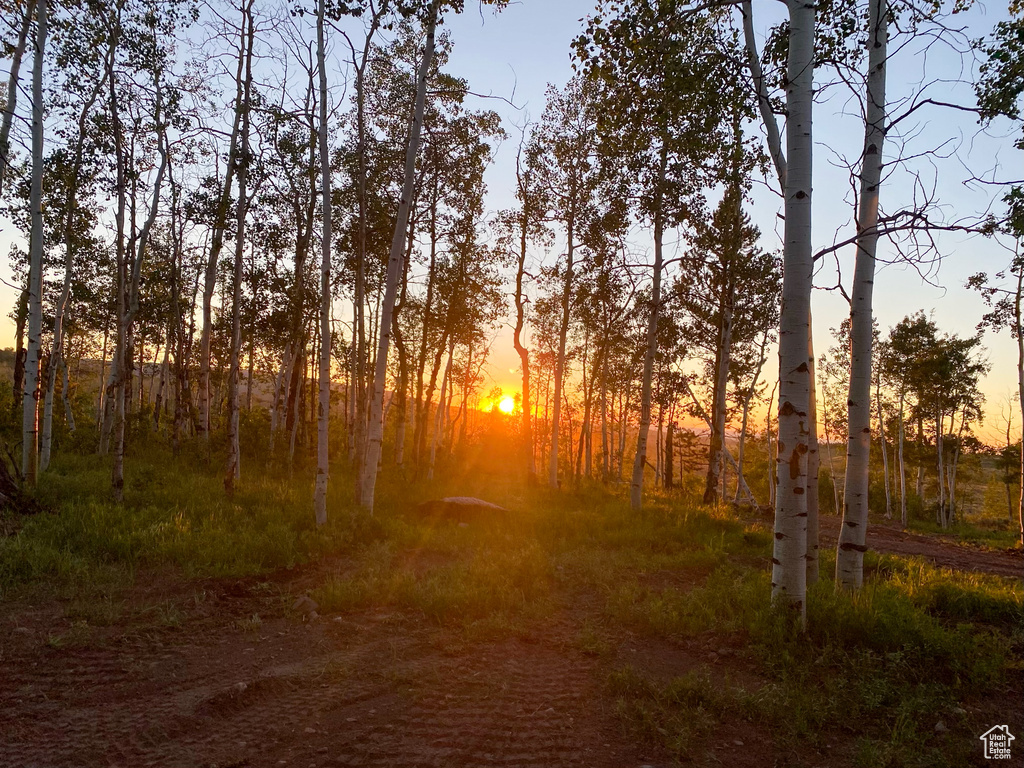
323 694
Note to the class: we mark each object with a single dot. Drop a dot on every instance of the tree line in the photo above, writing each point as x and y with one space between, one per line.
221 218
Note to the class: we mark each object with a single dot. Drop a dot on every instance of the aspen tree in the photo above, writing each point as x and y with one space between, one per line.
11 102
233 470
789 568
70 210
375 432
654 66
375 428
324 400
853 533
30 395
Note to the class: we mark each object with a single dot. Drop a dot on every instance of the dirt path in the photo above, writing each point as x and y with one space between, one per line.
221 673
196 681
942 552
220 689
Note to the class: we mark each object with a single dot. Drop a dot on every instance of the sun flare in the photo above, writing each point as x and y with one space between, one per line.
507 404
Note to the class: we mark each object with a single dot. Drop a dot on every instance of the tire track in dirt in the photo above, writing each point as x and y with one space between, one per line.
326 694
512 704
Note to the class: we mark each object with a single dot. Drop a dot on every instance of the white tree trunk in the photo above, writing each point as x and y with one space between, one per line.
763 104
70 203
375 431
1020 384
789 568
216 243
885 450
716 447
813 465
123 370
746 414
324 404
940 480
853 533
30 395
11 102
233 471
163 382
772 469
281 382
636 488
66 396
902 467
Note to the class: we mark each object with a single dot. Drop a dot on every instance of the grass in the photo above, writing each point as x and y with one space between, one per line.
893 659
993 532
172 515
886 663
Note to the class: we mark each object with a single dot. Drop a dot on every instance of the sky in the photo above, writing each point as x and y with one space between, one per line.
513 56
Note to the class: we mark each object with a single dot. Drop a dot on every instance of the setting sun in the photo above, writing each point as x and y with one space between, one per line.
506 404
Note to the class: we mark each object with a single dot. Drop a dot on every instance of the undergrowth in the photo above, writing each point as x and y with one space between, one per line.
883 664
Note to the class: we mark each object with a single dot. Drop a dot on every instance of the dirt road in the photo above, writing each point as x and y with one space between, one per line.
222 673
942 552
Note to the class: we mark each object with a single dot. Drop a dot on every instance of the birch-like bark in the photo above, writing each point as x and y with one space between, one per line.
885 450
1020 385
233 470
69 415
357 409
216 244
718 408
401 393
761 360
940 480
11 103
853 533
789 567
324 403
813 465
280 383
70 204
163 382
771 126
123 371
636 488
902 466
20 321
919 480
30 395
773 478
423 401
111 391
375 432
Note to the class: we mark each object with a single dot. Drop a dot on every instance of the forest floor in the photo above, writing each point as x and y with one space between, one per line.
175 671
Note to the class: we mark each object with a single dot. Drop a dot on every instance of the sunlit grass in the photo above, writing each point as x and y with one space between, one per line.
907 649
